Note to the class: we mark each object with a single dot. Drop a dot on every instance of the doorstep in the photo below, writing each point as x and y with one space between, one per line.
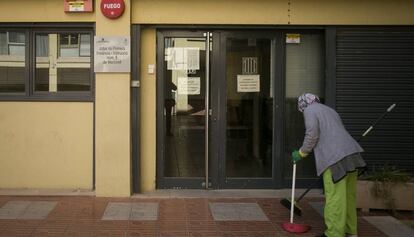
226 193
46 192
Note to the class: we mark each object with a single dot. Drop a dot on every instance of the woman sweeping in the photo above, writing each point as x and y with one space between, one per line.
337 157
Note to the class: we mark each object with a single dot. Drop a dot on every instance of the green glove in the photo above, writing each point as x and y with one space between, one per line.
296 157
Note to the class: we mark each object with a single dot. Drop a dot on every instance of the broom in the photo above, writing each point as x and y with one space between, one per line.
296 208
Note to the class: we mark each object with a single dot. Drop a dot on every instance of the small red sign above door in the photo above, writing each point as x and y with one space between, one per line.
112 8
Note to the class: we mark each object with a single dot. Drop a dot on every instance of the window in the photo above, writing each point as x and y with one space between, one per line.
12 61
59 65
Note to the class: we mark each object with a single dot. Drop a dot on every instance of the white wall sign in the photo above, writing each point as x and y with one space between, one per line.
188 86
112 54
248 83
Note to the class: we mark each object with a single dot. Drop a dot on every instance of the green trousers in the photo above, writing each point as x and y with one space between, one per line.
340 205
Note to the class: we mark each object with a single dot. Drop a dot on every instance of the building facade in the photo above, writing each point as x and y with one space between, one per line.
185 118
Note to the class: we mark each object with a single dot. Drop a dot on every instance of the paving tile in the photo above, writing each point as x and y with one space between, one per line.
144 226
172 226
144 211
111 225
390 226
131 211
201 226
38 210
318 206
204 234
259 226
13 209
19 228
237 212
141 234
172 234
47 233
117 211
115 233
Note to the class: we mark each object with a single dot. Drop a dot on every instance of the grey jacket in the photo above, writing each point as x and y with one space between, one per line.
327 136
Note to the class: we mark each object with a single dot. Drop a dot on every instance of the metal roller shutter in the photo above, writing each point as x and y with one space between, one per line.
374 69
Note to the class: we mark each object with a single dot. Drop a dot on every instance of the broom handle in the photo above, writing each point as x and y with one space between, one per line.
293 192
379 119
313 185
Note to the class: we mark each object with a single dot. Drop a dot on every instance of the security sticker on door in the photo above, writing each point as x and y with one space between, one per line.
188 86
292 38
248 83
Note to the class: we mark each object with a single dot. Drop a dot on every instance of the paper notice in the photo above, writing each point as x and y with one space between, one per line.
248 83
188 86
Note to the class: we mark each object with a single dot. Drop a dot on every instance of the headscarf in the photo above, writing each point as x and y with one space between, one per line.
305 100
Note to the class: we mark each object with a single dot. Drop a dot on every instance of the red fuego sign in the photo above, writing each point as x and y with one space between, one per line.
112 8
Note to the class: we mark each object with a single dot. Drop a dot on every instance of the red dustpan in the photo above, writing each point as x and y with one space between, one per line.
290 226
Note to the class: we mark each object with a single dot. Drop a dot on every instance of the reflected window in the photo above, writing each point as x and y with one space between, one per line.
63 62
184 107
304 73
12 61
74 45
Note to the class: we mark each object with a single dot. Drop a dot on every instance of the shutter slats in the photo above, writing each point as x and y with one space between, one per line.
374 69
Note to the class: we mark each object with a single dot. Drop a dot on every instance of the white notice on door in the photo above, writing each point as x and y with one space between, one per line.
248 83
188 86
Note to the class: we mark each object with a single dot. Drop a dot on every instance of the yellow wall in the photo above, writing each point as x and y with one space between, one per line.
148 111
113 157
46 145
40 11
303 12
352 12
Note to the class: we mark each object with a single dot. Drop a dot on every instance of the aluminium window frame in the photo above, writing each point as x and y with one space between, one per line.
30 60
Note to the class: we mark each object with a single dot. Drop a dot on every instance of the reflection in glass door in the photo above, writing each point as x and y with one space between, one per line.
184 102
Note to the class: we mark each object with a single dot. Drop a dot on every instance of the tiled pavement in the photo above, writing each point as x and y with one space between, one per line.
198 217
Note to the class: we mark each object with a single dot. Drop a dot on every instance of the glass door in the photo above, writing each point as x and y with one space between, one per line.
183 127
247 87
216 121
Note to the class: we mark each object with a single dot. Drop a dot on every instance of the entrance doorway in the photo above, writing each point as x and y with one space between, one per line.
220 101
216 125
